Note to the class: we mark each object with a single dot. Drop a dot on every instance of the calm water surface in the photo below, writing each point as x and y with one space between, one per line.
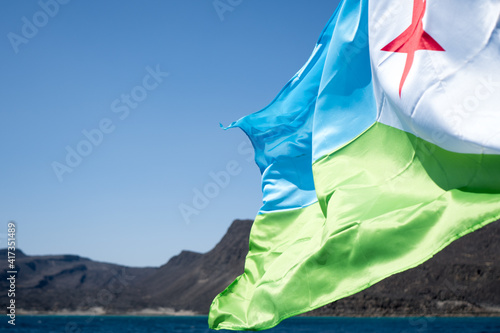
48 324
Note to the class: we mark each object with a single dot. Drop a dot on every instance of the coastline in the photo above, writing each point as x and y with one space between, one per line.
165 312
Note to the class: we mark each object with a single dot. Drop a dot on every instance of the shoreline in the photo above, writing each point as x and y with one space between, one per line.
193 315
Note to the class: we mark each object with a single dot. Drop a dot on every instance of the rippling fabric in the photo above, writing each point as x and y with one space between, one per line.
346 103
450 98
392 201
324 98
369 169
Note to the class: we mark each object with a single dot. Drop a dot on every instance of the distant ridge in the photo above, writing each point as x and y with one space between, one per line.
462 280
190 281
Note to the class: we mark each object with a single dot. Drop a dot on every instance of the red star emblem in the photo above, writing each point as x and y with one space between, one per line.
414 38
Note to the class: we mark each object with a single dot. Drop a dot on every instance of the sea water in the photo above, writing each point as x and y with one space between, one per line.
118 324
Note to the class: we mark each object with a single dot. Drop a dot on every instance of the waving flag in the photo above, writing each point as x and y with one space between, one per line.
382 150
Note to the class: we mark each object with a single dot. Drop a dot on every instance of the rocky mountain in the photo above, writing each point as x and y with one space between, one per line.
190 281
66 282
186 284
463 279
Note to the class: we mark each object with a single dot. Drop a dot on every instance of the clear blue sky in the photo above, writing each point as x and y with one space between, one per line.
154 139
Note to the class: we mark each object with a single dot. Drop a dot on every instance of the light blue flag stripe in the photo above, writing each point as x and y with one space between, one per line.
311 104
346 104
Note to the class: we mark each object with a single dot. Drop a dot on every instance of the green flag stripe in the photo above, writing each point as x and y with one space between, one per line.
391 201
279 241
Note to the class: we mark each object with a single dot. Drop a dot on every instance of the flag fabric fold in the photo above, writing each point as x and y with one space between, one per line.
373 157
